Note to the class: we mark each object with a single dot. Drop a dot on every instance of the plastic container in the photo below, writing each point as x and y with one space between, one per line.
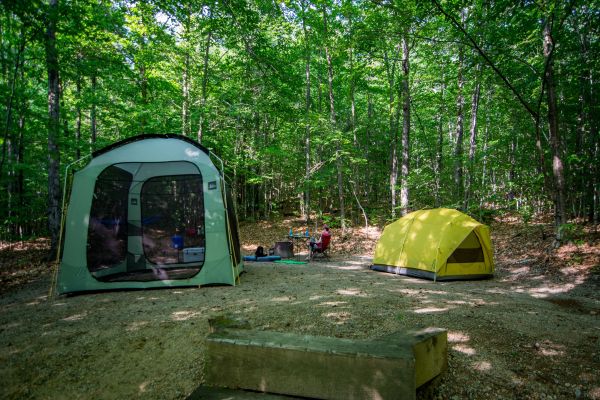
193 254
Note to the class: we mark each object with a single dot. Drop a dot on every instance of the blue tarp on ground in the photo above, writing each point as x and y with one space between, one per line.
265 258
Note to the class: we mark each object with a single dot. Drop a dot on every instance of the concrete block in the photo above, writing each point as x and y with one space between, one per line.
323 367
430 348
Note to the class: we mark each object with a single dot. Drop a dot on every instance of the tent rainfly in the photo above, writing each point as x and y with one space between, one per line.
439 244
149 211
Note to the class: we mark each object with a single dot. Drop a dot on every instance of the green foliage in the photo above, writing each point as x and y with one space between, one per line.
571 232
239 70
526 212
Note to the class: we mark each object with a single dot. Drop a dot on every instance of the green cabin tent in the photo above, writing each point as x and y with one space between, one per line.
439 244
146 212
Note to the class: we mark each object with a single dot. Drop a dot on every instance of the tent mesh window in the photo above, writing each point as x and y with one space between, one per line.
107 230
173 222
469 251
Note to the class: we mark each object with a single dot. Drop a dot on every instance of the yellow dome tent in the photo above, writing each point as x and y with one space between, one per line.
439 244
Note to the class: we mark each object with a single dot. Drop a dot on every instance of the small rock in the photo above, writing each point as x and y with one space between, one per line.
537 346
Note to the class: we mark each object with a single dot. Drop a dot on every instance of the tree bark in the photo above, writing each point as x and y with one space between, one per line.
460 104
185 106
93 127
186 129
202 122
78 113
368 143
390 67
333 121
306 118
439 157
560 216
404 193
52 67
472 138
11 98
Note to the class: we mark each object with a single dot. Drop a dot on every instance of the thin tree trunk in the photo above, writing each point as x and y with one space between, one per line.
54 212
186 129
19 161
486 134
202 122
306 119
333 121
144 92
460 103
78 114
560 216
390 67
512 153
472 139
404 199
587 131
368 143
185 106
438 164
11 97
93 127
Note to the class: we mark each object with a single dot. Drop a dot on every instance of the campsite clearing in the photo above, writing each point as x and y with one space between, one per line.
532 332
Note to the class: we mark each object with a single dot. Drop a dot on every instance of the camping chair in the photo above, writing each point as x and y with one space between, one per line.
322 249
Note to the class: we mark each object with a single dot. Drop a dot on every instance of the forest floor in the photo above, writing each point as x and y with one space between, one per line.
531 332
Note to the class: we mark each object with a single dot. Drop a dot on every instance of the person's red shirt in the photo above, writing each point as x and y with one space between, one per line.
325 239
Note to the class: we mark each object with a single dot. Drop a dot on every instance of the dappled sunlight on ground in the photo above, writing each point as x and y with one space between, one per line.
282 299
463 348
531 332
136 325
75 317
482 366
429 310
352 292
550 349
458 337
184 315
339 317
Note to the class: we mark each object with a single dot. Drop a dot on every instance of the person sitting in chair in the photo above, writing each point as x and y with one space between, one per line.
322 244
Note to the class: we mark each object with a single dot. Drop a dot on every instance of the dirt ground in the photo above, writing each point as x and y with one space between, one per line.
532 332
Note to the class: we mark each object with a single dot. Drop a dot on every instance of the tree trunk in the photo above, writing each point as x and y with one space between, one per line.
460 103
78 115
439 157
144 92
54 212
20 189
560 216
93 128
472 139
202 122
390 67
306 119
512 154
404 199
484 161
185 106
186 129
333 121
367 186
11 98
587 130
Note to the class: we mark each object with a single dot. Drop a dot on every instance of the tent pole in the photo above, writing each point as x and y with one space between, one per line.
62 227
234 271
